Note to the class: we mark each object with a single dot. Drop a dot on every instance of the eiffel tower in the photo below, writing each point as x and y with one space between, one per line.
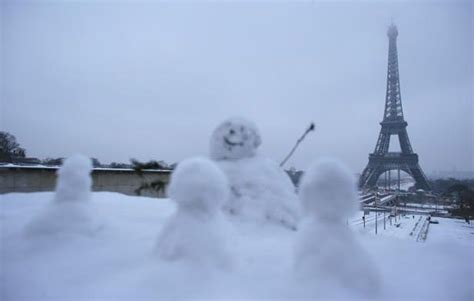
381 160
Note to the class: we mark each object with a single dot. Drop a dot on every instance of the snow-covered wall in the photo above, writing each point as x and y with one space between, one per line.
38 178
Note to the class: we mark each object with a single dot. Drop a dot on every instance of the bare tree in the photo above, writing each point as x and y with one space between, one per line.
9 148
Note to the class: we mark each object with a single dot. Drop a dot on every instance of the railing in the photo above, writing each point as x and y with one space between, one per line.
424 230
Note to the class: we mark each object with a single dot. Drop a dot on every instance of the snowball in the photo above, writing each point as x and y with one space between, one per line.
70 211
195 233
261 191
328 190
199 185
74 180
233 139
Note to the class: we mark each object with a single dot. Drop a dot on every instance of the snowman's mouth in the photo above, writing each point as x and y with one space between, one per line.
228 142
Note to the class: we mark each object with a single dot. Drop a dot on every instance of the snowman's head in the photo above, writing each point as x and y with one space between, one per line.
234 139
74 179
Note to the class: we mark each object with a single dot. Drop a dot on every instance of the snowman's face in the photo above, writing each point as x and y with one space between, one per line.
234 139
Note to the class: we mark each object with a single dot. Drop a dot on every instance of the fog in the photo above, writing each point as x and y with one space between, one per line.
151 80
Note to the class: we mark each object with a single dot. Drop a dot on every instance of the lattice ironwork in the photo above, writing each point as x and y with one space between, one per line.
381 160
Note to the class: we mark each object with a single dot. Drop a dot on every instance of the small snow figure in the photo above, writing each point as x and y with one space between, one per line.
194 234
327 250
70 211
260 189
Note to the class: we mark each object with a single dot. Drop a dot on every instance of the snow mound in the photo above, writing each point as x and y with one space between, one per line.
328 190
233 139
70 211
327 251
195 233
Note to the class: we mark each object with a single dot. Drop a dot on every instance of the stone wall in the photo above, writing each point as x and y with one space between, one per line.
33 179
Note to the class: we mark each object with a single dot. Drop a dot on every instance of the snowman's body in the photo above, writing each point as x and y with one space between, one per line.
260 189
195 233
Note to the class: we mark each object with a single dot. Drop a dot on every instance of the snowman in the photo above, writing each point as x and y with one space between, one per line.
70 212
327 250
260 190
195 234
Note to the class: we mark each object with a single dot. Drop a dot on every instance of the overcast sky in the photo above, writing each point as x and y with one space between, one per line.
151 80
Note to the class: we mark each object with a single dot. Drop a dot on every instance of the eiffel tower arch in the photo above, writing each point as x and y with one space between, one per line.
393 123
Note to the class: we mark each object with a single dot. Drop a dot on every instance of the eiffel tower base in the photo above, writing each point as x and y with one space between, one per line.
379 164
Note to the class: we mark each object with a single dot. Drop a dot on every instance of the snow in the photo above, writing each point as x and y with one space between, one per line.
74 180
70 211
234 139
329 256
328 190
260 190
120 263
456 230
37 166
95 168
403 227
430 206
327 252
196 233
198 185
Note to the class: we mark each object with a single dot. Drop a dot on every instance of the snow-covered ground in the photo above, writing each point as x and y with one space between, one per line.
408 227
118 260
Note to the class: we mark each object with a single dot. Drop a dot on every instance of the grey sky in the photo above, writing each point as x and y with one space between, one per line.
151 80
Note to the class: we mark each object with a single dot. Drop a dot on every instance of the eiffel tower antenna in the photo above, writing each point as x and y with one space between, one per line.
393 123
